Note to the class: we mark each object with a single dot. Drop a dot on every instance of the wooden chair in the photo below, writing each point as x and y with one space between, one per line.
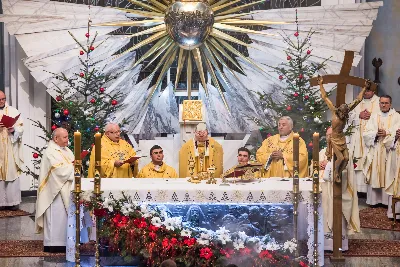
395 199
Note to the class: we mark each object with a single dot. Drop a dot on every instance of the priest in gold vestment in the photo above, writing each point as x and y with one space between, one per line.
276 152
204 151
114 151
157 168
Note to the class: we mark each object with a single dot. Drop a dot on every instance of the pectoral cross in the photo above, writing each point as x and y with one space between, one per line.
342 80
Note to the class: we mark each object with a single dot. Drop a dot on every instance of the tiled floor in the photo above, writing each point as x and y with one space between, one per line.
23 228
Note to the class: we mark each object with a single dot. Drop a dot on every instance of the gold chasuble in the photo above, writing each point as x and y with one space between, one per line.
110 152
282 167
153 171
204 154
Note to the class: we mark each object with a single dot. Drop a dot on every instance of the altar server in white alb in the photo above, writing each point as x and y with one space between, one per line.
11 157
379 136
55 185
359 117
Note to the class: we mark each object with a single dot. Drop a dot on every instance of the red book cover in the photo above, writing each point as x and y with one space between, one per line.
131 160
8 121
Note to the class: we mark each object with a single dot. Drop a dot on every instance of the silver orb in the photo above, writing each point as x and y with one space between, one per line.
189 22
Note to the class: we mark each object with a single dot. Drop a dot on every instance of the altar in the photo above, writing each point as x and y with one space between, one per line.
260 207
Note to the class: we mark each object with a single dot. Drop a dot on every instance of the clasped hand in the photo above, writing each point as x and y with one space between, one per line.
365 115
397 134
381 132
277 154
322 164
118 163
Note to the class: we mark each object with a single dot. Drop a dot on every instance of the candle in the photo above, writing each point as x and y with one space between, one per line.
77 145
296 137
97 146
316 147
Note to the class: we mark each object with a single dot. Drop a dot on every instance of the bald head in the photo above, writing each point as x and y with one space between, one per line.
60 137
113 132
2 99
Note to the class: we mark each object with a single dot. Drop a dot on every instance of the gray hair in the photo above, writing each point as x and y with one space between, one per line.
109 125
55 132
288 119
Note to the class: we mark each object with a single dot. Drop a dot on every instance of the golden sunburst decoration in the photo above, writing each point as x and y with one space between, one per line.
192 33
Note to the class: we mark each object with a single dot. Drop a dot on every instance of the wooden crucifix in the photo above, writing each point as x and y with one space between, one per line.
338 142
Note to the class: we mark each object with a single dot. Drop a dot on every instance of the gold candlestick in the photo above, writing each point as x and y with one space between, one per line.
191 164
316 193
97 190
296 189
77 193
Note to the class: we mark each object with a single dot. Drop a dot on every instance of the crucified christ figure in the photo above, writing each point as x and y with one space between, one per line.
337 141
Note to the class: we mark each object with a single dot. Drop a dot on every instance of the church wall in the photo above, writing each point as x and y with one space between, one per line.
29 97
384 43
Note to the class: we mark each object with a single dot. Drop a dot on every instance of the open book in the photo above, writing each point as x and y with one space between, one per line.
8 121
132 159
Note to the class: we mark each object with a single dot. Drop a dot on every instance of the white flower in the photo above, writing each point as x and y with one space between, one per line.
108 204
144 208
204 239
169 224
224 238
290 245
156 221
222 231
272 246
238 244
186 232
259 247
242 236
177 222
253 240
164 214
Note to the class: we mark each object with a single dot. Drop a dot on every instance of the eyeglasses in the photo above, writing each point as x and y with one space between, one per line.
116 132
2 99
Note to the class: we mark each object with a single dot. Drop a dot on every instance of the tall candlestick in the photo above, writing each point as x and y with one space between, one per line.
316 147
77 145
97 146
296 137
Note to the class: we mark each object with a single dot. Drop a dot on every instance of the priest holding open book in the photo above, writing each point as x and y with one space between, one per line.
117 156
11 157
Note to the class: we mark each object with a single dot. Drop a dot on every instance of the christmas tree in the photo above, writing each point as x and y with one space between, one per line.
82 104
298 100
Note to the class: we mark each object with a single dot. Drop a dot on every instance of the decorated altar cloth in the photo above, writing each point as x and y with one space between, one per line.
189 197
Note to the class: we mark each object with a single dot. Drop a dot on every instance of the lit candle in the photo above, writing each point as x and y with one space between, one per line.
97 146
316 147
77 145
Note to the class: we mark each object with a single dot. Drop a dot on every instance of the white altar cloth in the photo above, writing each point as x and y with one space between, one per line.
272 190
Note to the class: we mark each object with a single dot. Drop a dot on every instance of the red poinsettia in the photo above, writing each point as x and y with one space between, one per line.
245 251
206 253
189 241
227 252
100 212
152 228
265 254
174 241
165 243
152 235
120 221
140 223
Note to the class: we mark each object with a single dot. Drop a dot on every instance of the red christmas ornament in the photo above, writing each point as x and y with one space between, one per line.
82 74
87 35
53 127
92 100
301 76
96 129
296 94
306 97
355 165
114 102
302 130
58 98
296 34
81 53
269 135
288 108
289 58
66 112
310 144
35 155
308 52
91 48
280 77
102 90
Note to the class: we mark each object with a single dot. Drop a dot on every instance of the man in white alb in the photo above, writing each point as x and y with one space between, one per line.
11 157
379 136
55 184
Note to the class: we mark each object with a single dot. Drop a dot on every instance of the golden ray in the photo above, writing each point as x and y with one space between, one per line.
146 14
181 61
144 42
168 47
159 45
145 6
218 3
219 7
221 35
189 76
239 8
134 23
215 79
164 70
220 18
251 22
148 31
238 29
215 44
199 64
166 2
236 52
158 4
211 2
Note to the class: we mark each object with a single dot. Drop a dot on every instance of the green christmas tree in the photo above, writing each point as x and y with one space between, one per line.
82 104
298 100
